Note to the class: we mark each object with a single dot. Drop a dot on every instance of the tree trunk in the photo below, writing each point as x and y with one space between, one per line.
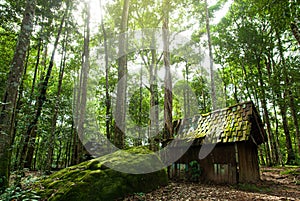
59 148
154 107
17 110
8 104
187 91
295 119
37 145
107 95
30 135
261 157
270 143
83 90
76 104
74 141
68 149
56 106
168 97
276 151
36 68
288 141
282 104
211 66
119 138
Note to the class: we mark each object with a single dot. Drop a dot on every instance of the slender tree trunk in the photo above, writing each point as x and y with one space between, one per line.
59 153
37 145
277 134
276 151
76 104
7 113
269 144
41 71
211 66
282 105
138 141
56 106
154 107
119 138
18 108
30 135
262 160
288 141
295 118
68 151
107 95
83 90
247 81
69 145
168 97
74 141
36 68
187 91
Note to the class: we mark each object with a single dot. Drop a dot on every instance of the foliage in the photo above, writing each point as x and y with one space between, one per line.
255 48
16 193
195 171
21 193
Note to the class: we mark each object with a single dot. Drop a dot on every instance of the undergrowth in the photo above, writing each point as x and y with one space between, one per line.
21 192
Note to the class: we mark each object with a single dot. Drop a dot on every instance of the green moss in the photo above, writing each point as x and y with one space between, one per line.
93 180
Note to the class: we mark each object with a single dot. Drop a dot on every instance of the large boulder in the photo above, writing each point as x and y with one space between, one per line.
97 179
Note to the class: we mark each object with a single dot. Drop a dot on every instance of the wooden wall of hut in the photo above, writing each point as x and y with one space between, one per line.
227 163
248 162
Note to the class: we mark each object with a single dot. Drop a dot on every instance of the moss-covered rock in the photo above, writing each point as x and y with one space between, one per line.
97 179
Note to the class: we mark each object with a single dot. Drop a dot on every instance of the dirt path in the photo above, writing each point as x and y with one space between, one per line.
273 186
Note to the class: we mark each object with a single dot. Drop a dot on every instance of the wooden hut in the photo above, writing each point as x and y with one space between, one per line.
227 141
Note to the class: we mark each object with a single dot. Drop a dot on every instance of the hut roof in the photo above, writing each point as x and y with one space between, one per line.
239 122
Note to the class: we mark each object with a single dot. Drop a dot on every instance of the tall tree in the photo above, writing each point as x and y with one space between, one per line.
8 103
283 102
119 138
84 73
57 103
168 96
154 111
211 60
107 95
30 135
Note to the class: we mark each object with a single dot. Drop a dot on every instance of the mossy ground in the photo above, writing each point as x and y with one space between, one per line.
93 180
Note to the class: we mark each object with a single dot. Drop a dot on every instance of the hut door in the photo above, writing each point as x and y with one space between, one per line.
221 172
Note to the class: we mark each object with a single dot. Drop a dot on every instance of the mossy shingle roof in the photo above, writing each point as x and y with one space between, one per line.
239 122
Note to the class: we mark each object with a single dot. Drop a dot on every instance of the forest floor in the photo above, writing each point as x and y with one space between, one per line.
280 183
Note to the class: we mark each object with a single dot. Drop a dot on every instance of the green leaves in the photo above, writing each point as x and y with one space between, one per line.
16 193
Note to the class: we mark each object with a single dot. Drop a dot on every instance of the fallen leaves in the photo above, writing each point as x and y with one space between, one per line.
272 187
